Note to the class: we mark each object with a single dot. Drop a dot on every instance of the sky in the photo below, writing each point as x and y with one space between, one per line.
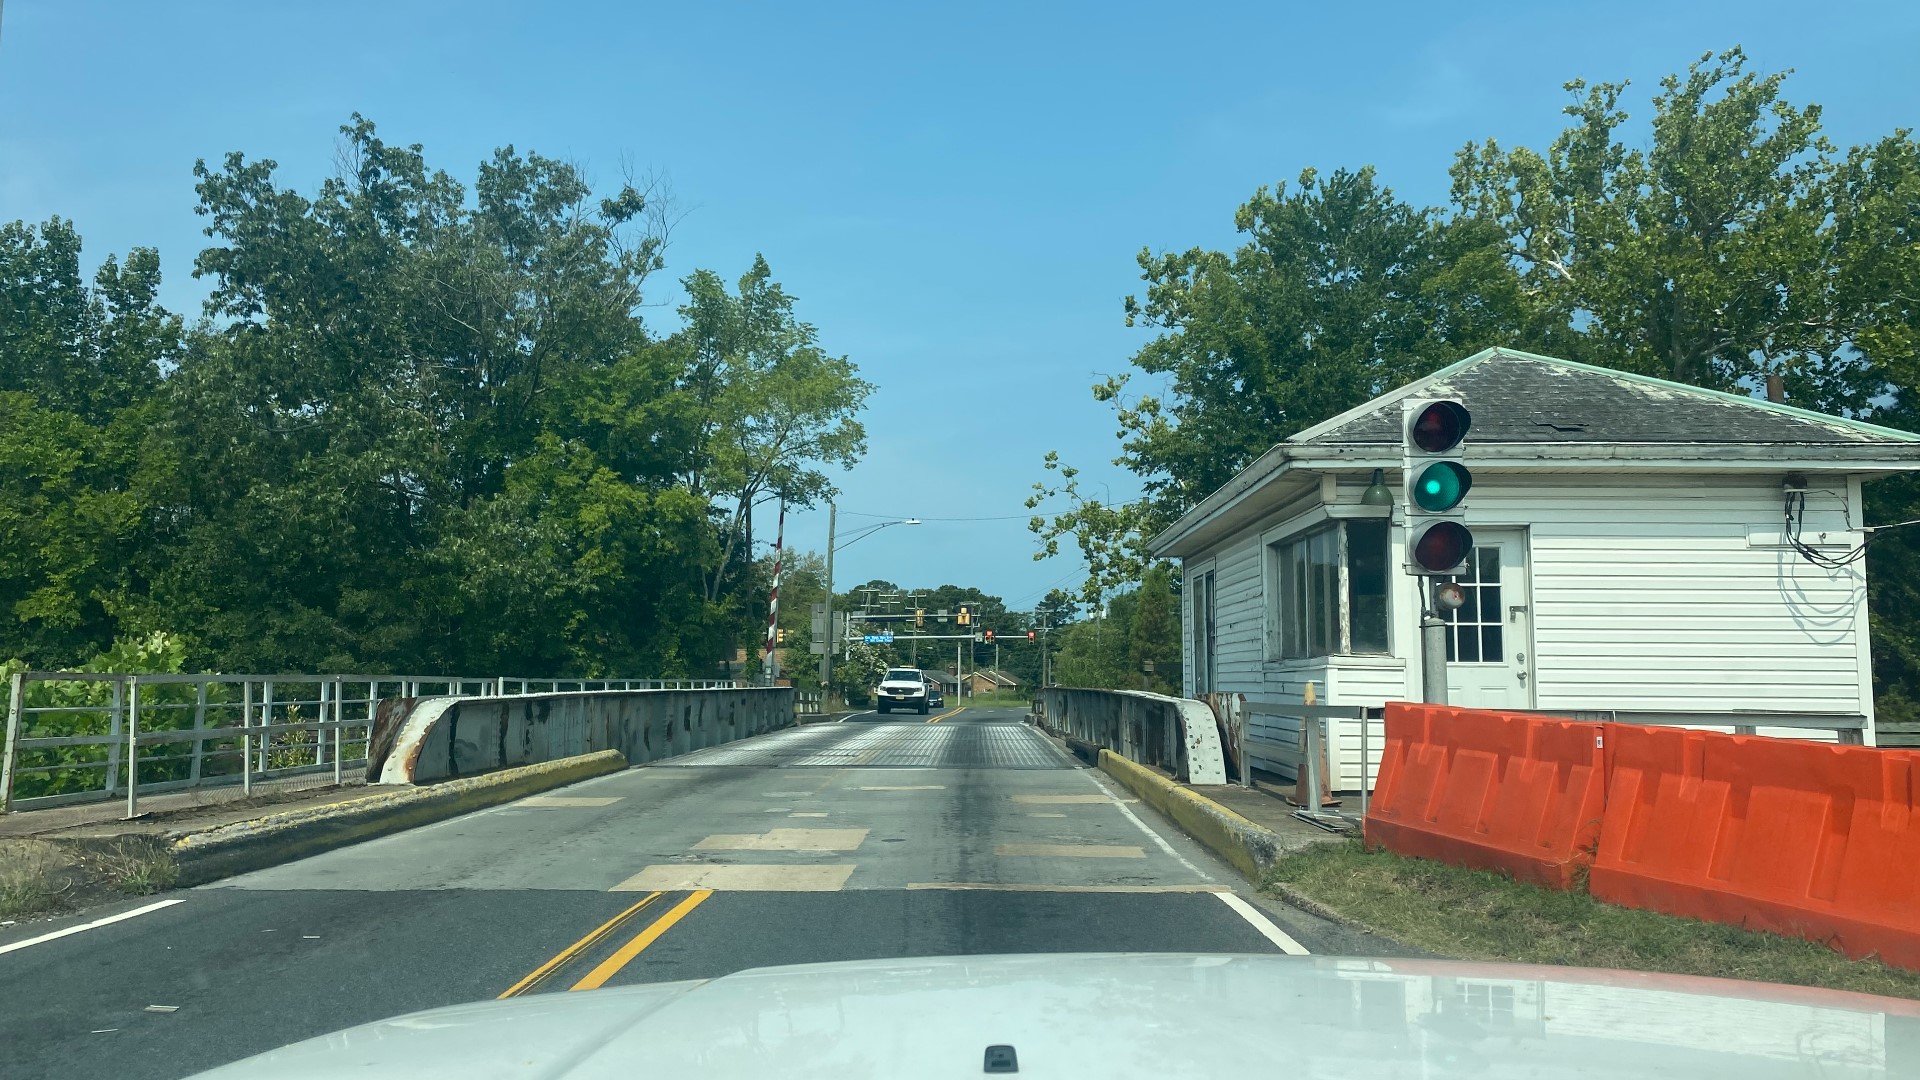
956 195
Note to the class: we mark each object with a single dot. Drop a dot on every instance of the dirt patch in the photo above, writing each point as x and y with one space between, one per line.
48 877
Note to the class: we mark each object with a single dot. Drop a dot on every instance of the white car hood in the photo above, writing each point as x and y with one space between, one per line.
1147 1015
898 685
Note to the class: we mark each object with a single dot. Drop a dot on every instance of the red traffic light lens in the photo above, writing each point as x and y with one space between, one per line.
1443 546
1440 426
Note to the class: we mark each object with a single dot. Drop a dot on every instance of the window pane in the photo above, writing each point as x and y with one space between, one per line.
1452 636
1296 566
1490 611
1490 650
1367 579
1489 564
1317 595
1329 542
1469 645
1469 611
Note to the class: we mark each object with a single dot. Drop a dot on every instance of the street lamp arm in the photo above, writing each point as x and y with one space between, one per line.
875 529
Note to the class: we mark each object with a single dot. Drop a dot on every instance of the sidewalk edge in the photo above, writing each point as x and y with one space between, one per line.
1248 847
243 846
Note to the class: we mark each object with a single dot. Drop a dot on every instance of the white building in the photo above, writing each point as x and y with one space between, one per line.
1633 557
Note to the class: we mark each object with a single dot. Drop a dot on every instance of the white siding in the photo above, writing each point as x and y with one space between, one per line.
1647 595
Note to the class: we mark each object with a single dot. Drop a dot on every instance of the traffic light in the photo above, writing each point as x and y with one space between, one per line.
919 617
780 635
989 637
966 617
1030 635
1437 484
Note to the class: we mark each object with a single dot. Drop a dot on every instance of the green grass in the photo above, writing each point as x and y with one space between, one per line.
999 699
1474 915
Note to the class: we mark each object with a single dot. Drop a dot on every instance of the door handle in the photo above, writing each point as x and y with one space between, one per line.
1521 675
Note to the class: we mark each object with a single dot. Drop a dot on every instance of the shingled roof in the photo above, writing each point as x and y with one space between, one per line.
1518 397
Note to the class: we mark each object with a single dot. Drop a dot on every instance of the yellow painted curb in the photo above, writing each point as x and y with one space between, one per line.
296 834
1249 847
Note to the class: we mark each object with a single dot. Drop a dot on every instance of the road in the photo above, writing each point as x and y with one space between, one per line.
966 832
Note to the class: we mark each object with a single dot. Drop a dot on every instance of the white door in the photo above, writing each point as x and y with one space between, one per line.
1488 639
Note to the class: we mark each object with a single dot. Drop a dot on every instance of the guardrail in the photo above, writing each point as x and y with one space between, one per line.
1179 735
1308 754
808 702
89 737
1849 728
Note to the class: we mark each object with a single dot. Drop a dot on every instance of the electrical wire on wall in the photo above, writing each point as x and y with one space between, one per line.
1796 516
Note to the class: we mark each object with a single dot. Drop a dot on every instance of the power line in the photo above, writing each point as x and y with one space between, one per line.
922 517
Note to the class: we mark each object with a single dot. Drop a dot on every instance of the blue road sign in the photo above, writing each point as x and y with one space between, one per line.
877 639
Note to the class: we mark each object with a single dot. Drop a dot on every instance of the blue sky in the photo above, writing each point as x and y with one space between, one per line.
956 196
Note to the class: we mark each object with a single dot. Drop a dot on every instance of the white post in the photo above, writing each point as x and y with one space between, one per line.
246 736
15 706
133 751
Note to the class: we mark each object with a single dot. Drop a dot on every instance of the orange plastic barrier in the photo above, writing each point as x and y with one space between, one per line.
1494 791
1798 838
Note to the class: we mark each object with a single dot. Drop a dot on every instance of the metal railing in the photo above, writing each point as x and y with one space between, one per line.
87 737
808 702
1308 754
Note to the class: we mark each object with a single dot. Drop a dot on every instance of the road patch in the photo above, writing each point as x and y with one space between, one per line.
786 840
1071 851
739 878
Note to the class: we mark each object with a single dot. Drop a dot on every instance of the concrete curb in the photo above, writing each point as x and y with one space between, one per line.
1311 906
1249 847
280 838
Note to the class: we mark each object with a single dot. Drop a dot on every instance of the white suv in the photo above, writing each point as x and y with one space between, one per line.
904 687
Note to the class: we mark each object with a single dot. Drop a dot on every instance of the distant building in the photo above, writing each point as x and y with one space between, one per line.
987 680
1644 550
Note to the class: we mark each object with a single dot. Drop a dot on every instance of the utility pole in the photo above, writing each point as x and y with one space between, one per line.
826 656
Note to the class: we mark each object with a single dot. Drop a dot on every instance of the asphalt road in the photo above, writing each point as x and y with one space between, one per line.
966 832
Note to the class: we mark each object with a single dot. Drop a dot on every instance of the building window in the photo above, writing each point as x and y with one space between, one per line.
1332 590
1475 632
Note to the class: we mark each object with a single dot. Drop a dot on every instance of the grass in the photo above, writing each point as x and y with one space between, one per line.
999 699
1475 915
137 866
35 877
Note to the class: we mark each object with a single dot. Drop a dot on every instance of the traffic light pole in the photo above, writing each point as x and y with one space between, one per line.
1433 654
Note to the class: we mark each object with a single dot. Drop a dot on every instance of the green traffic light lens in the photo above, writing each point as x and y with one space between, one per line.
1441 485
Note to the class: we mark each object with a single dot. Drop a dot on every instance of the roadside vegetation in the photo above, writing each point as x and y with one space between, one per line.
45 877
1474 915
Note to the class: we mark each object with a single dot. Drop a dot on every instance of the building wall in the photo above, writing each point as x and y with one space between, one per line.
1647 592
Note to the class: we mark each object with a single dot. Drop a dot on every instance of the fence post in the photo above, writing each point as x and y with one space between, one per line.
246 737
266 720
15 705
1236 708
133 750
115 728
320 725
199 725
339 719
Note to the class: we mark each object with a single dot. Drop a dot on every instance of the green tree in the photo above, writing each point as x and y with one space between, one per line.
1153 639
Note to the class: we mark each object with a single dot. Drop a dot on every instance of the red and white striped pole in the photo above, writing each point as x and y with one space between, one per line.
773 597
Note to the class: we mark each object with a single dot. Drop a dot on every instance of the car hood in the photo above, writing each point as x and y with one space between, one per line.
1157 1015
902 684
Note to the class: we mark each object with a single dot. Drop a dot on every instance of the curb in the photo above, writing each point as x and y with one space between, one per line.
281 838
1250 848
1311 906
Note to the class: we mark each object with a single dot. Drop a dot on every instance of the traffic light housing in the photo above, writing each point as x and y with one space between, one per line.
989 637
966 617
1438 540
919 617
1031 635
780 635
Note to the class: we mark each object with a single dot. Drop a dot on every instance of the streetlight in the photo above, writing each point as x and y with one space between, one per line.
826 655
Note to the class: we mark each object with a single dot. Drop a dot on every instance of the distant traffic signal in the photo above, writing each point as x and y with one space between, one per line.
989 637
780 636
1031 635
966 617
919 617
1438 540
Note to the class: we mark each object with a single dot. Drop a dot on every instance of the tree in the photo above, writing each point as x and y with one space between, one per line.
1709 258
1341 292
773 408
1153 639
79 368
858 671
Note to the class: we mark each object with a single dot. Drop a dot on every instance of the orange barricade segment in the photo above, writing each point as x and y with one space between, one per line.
1797 838
1495 791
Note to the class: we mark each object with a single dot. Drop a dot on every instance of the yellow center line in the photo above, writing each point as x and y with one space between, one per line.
611 965
577 948
944 715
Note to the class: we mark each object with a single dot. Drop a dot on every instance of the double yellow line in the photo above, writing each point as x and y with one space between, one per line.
944 715
622 956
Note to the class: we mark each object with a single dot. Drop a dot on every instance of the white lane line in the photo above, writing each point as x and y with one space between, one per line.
850 716
1158 840
1263 924
122 917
